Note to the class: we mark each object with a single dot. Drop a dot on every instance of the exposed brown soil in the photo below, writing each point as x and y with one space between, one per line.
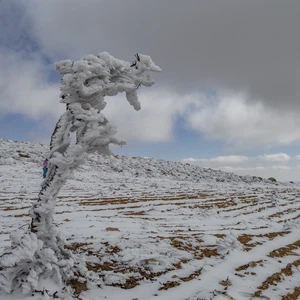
226 282
293 296
191 276
245 239
76 246
294 218
130 283
285 251
23 155
77 285
168 285
112 229
283 212
251 264
276 277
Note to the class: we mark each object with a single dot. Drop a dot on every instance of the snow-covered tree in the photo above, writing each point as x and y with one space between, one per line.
84 86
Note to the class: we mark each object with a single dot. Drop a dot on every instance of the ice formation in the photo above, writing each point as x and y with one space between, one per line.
84 86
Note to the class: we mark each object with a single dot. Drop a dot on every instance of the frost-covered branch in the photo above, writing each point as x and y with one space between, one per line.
84 86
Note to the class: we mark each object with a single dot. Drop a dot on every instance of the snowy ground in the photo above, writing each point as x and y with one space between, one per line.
154 229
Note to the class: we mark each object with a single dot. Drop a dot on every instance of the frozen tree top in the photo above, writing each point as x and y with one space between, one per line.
92 78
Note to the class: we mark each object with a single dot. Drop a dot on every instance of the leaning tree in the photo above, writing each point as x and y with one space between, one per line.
40 252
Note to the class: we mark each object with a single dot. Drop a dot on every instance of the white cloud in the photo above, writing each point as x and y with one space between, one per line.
220 160
233 118
279 157
24 88
281 167
287 170
223 42
241 123
233 159
155 121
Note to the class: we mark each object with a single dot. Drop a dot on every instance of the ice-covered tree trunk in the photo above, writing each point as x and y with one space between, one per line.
84 85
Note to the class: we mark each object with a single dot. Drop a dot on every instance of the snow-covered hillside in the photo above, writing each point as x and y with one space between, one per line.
154 229
22 153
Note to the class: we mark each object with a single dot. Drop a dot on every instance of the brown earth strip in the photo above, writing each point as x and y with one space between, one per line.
276 277
293 296
285 251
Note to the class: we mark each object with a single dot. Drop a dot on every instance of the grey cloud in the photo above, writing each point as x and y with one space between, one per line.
244 125
250 46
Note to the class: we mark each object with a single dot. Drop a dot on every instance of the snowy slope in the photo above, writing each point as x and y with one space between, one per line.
154 229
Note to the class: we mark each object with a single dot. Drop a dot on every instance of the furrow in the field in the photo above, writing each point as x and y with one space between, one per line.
277 277
267 266
12 206
180 272
129 202
212 276
249 231
285 212
293 295
290 249
84 194
248 267
15 213
261 198
285 219
251 241
291 217
8 192
262 211
126 209
162 197
66 197
238 207
260 208
250 208
267 212
249 277
25 214
13 198
288 287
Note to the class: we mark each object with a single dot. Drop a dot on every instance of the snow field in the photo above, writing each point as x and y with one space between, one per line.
153 229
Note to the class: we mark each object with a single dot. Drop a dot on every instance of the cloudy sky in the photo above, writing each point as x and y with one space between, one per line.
228 96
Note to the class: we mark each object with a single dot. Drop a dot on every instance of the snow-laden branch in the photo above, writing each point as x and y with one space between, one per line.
89 80
84 86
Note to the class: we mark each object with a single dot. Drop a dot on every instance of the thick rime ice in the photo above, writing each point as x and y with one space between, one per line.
228 243
84 85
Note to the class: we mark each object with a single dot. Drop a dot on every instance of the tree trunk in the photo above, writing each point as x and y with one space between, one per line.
42 211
